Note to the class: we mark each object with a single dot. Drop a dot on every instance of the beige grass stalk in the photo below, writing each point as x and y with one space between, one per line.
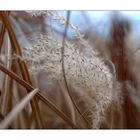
68 101
18 93
18 108
5 94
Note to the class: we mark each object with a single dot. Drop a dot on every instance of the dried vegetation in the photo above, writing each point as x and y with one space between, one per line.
51 81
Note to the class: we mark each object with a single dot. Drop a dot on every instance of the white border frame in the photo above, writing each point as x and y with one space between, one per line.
69 4
70 135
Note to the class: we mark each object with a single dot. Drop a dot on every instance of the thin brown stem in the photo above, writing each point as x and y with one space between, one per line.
2 33
63 70
6 94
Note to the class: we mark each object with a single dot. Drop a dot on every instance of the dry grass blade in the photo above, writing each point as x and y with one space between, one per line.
68 101
39 95
19 107
22 66
2 32
6 93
